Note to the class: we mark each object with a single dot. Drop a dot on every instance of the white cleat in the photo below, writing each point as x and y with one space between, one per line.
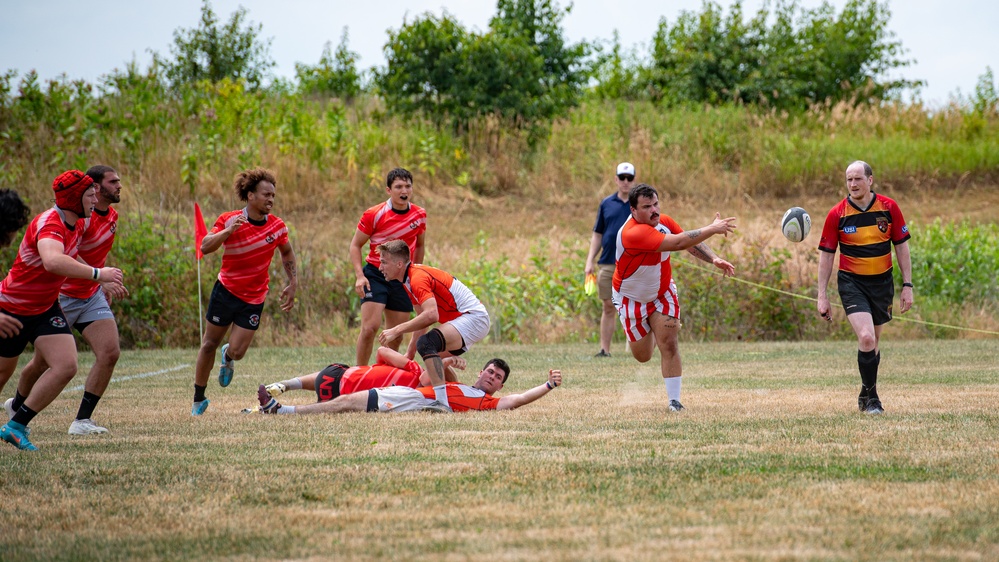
86 427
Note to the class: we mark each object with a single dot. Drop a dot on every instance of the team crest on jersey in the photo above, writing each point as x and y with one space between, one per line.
114 227
414 225
882 224
849 230
270 239
57 322
254 319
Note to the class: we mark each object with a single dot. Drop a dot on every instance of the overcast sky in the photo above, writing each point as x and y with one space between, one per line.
952 40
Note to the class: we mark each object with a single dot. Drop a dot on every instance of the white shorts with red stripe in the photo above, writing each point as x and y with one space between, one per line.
635 314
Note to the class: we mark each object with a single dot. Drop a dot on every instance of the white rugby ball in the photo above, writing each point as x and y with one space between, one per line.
796 224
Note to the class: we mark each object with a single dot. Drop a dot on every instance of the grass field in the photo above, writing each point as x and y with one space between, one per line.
770 461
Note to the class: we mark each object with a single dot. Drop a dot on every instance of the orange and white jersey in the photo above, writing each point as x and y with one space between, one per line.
29 288
95 245
462 397
423 282
248 254
643 273
383 223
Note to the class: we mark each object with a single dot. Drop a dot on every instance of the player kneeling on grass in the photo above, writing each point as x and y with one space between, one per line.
391 369
403 399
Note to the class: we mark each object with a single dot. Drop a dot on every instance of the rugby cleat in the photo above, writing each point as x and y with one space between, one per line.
276 389
225 368
268 404
17 435
86 427
199 408
675 406
874 406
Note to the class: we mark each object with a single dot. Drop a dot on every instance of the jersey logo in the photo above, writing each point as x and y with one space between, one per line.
270 239
414 225
905 229
58 322
849 230
254 319
882 224
114 227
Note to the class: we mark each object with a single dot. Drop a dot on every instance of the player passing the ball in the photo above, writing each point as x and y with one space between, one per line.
864 226
644 291
250 236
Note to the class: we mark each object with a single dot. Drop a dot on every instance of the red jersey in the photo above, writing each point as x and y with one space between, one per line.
423 282
379 375
864 236
643 273
383 223
28 288
462 397
95 245
248 254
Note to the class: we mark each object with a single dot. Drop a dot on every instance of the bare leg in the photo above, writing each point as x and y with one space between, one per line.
371 320
609 320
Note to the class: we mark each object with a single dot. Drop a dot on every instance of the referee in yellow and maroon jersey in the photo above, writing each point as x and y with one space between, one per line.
865 225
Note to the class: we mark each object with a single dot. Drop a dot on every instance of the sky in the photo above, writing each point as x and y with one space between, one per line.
952 41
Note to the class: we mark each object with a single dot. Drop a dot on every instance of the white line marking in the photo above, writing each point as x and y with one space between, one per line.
131 377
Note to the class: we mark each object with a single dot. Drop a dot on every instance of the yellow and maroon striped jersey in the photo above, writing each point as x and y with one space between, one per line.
864 236
248 254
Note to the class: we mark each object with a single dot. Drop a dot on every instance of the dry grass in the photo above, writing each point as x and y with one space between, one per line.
771 461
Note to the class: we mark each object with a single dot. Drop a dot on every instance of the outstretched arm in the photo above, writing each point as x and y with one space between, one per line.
704 253
518 400
690 238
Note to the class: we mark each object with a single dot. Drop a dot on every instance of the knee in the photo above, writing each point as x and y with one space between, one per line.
609 307
235 353
108 355
430 344
867 341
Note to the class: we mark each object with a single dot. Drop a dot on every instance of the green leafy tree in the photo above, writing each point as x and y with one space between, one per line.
336 74
213 51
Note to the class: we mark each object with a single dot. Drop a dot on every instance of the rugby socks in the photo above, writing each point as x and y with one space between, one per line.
867 362
440 392
18 400
87 406
673 387
199 393
286 409
24 415
292 384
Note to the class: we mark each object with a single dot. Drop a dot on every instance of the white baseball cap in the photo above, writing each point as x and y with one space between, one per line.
626 168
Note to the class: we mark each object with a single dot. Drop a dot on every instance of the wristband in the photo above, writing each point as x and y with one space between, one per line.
97 274
909 285
549 385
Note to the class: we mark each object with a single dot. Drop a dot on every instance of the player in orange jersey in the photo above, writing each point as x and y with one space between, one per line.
644 291
864 226
478 396
250 236
48 254
87 308
390 369
439 298
395 219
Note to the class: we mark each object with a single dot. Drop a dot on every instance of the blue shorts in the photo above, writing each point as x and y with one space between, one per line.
381 290
50 322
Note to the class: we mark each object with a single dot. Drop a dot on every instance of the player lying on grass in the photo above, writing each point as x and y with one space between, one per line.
390 369
404 399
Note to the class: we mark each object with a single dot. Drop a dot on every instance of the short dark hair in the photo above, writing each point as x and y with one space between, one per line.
639 191
98 172
14 214
395 248
397 174
501 365
247 181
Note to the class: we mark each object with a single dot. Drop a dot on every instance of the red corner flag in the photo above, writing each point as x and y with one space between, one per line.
200 231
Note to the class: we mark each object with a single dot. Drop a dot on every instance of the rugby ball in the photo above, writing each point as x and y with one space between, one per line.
796 224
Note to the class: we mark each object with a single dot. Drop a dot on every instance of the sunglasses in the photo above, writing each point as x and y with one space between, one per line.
626 177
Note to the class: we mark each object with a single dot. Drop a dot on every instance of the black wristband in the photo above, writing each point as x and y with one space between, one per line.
909 285
549 385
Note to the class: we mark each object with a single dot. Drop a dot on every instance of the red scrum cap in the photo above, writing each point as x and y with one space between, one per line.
69 188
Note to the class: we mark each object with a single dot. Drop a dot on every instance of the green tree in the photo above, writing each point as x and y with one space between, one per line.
335 75
212 51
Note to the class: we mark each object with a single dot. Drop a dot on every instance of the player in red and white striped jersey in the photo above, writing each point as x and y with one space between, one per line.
439 297
395 219
250 236
30 293
644 292
86 307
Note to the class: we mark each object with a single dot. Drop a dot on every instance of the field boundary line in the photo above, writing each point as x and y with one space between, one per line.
133 377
